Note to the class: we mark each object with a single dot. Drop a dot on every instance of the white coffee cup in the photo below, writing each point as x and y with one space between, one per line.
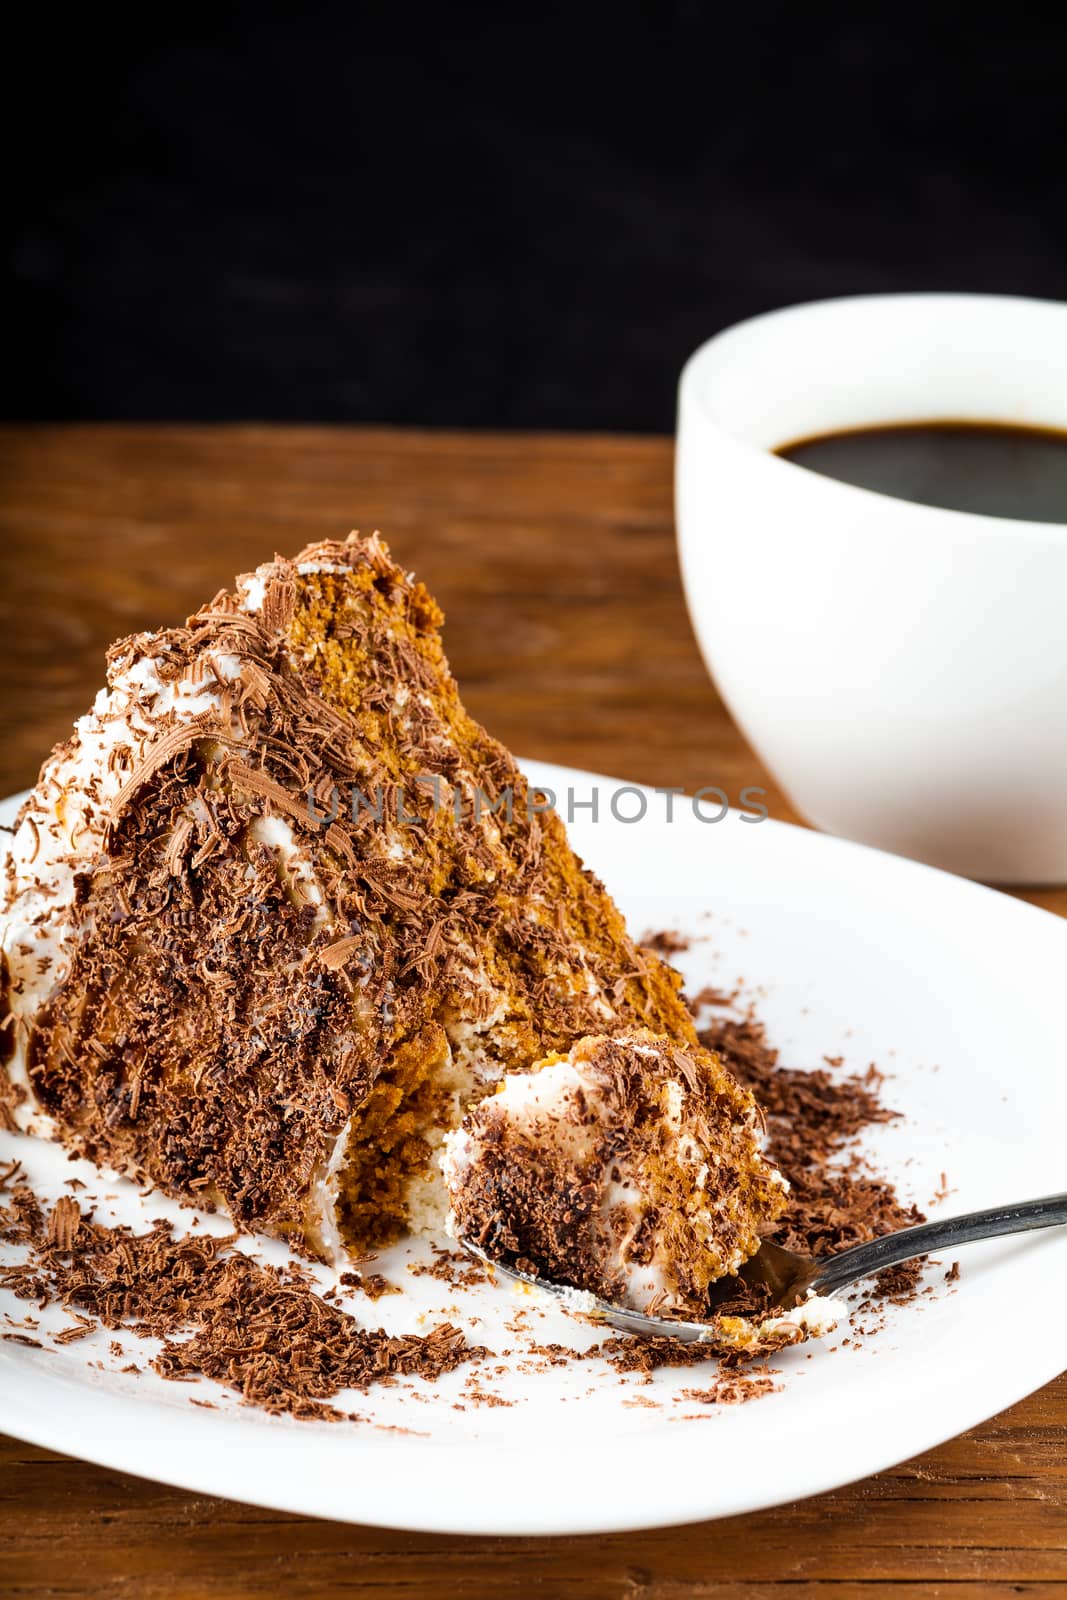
902 670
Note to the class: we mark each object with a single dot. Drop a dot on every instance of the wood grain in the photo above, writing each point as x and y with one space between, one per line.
553 558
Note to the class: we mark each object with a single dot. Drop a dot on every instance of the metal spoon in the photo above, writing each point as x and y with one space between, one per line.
791 1279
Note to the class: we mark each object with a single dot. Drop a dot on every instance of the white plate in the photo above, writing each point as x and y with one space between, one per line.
958 992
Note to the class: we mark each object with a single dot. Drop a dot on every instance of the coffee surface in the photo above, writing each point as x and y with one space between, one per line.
998 469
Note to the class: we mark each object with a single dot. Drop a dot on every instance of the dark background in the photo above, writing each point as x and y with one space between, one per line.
510 217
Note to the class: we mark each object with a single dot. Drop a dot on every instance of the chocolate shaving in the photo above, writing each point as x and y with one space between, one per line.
334 956
64 1222
165 749
246 777
733 1389
279 603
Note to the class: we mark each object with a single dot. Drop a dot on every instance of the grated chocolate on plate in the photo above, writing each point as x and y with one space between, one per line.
259 1330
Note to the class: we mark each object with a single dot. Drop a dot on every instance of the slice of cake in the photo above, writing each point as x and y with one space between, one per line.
280 912
629 1167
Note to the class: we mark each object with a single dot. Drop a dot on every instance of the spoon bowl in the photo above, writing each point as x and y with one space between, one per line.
789 1280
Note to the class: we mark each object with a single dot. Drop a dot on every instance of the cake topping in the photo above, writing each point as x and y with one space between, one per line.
629 1168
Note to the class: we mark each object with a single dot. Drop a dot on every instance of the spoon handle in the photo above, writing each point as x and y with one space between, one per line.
863 1259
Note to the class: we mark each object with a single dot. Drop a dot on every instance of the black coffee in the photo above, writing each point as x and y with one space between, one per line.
998 468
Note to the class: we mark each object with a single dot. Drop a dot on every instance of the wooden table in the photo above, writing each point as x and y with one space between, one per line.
553 558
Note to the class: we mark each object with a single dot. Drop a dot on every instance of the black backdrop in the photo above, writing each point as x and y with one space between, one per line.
515 217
